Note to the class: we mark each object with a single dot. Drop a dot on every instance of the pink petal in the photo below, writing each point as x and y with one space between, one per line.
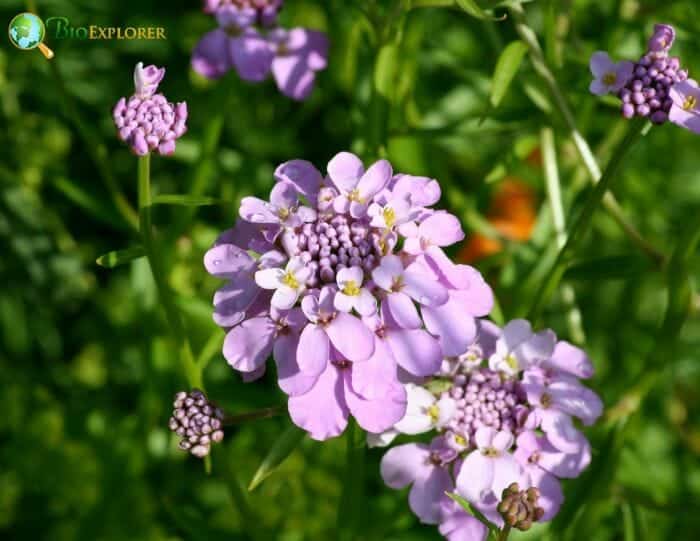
475 478
455 329
415 351
248 345
313 350
376 376
571 359
251 55
423 289
322 412
353 340
374 180
441 229
345 170
399 308
401 465
378 414
601 64
291 379
210 57
426 494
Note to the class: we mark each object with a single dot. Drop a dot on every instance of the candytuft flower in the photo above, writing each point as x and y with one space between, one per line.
609 76
197 421
342 307
646 88
502 412
685 109
249 41
147 121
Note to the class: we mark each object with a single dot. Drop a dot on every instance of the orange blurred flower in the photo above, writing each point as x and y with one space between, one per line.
512 213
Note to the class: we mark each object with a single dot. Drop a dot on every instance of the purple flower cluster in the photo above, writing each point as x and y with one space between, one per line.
198 422
249 41
503 411
349 290
654 87
147 121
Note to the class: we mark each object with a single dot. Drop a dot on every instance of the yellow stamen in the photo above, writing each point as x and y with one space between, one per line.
283 213
490 452
389 216
290 280
434 413
351 288
609 78
512 362
690 103
355 196
460 440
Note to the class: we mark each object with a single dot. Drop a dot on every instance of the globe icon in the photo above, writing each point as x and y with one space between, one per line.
26 31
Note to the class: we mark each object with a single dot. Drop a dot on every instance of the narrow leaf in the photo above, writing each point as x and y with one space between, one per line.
119 257
617 267
185 200
506 68
279 452
473 9
386 70
464 504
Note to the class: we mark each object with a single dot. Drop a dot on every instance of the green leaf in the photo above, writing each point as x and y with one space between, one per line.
386 70
506 68
473 9
438 385
617 267
279 452
119 257
464 504
185 200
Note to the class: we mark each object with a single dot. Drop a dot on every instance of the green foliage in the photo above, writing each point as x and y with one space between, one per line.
88 362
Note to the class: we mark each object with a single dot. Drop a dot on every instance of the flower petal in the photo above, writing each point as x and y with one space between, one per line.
441 229
377 375
313 350
345 170
415 351
291 379
426 494
374 180
475 477
251 55
210 57
249 344
377 414
454 329
399 308
322 412
403 464
350 337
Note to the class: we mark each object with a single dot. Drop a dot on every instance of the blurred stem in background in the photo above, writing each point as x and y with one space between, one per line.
192 370
584 150
93 144
551 176
637 128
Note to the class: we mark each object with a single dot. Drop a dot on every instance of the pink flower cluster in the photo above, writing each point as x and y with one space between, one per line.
249 41
655 87
343 279
147 121
503 413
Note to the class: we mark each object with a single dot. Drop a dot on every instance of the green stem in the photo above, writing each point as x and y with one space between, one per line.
95 149
504 533
551 175
583 221
192 371
351 510
264 413
584 150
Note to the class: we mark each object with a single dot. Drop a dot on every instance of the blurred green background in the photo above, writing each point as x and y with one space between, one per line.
88 370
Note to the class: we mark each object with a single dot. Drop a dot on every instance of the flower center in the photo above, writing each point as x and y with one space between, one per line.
460 440
283 213
690 103
355 196
609 78
351 288
511 361
490 452
434 413
397 284
546 400
290 280
389 215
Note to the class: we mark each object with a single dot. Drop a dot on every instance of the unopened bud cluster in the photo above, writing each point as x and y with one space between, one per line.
519 507
197 421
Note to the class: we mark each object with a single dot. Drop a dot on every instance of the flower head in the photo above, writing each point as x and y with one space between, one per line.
502 411
344 310
248 40
147 121
197 421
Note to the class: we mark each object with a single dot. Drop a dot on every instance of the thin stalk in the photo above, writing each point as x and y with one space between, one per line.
351 510
504 533
551 175
584 150
192 371
264 413
96 150
583 221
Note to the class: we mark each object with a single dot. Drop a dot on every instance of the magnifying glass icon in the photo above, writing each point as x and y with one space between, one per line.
27 31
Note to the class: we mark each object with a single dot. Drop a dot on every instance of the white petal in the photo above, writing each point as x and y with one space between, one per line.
284 298
269 278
